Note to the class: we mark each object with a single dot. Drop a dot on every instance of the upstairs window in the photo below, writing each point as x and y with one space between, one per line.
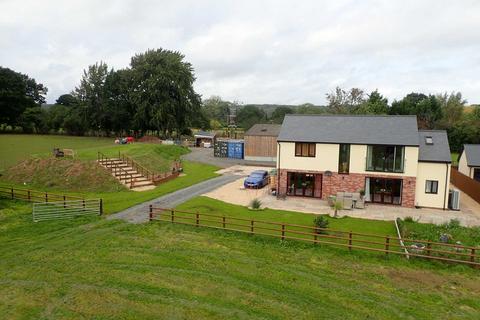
303 149
385 158
344 159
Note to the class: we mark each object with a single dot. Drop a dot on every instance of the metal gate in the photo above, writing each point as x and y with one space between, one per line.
66 209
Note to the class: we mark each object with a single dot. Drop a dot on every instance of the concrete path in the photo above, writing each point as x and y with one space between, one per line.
139 213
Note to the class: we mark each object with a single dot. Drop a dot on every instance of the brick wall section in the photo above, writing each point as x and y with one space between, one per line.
352 182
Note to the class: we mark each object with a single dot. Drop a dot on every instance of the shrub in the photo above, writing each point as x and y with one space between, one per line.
453 224
255 204
408 219
320 222
337 206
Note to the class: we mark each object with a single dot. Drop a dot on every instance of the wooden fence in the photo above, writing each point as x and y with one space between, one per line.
466 184
34 196
66 209
451 253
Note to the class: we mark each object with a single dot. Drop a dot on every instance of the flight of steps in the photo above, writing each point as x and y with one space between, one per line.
140 182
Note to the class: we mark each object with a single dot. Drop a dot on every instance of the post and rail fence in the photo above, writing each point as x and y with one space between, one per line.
34 196
451 253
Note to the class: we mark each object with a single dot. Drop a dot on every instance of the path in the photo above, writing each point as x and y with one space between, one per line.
139 212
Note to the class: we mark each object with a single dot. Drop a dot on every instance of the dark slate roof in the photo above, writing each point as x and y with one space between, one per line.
205 134
271 130
439 151
472 151
361 129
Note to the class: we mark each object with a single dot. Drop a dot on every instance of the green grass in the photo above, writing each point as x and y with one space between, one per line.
17 147
427 231
454 158
99 269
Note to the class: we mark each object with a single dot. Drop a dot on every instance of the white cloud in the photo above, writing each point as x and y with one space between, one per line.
255 51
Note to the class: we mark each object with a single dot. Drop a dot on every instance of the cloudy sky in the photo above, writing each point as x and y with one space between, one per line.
287 52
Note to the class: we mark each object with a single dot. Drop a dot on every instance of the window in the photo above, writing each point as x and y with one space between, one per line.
431 186
344 159
385 158
303 149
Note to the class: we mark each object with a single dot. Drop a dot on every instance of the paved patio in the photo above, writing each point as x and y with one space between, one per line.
235 193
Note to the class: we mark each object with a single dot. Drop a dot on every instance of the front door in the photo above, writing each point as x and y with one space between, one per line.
387 191
301 184
476 174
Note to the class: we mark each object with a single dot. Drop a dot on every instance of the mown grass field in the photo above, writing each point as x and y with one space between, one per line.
99 269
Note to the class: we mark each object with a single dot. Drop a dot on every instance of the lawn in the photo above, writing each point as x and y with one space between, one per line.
16 147
99 269
454 158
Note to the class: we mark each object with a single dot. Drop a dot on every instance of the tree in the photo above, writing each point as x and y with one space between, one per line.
119 108
308 108
67 100
279 113
427 109
34 120
217 109
249 115
17 93
343 102
90 93
375 104
452 106
55 117
163 92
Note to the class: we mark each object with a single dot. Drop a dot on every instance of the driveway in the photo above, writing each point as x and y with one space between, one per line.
205 155
235 193
139 213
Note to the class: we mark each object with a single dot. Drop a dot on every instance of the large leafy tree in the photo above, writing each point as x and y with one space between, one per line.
90 94
17 93
250 115
67 100
279 113
427 109
217 109
119 107
163 92
452 106
374 104
341 101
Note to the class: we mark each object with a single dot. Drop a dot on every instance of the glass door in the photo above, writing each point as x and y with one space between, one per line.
301 184
386 191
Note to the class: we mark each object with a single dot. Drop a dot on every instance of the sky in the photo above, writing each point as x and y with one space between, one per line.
283 52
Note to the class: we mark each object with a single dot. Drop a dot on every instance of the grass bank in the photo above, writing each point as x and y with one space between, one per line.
99 269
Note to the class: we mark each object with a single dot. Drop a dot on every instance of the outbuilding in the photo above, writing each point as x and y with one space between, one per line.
261 142
205 139
469 161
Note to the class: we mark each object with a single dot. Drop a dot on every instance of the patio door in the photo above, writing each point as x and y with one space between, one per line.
386 191
301 184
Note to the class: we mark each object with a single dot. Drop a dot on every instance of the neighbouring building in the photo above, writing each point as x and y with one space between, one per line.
469 161
261 142
386 156
205 139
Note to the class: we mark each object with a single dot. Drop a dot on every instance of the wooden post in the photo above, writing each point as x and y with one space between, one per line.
283 231
150 214
46 197
101 206
387 244
472 255
350 241
429 246
315 238
251 226
28 195
64 204
83 202
12 194
197 221
223 222
172 213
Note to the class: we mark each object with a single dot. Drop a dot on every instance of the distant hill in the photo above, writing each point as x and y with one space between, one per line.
269 108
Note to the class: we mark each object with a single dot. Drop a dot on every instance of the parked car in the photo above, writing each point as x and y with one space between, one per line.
256 179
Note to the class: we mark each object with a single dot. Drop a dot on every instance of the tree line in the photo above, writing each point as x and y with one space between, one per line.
155 93
446 111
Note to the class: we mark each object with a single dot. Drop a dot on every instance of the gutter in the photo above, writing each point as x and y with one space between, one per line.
278 168
446 187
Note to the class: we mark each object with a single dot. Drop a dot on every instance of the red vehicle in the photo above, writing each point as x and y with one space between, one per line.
130 139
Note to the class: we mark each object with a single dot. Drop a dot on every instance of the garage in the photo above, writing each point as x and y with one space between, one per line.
261 142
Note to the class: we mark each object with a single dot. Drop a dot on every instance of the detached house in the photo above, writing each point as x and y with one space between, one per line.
469 162
386 156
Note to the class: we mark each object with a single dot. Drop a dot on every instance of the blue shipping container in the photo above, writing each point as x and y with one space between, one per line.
235 149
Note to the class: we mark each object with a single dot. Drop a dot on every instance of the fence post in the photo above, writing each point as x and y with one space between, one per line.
83 202
28 193
101 206
46 197
197 221
150 213
472 255
223 222
387 244
429 246
172 213
64 204
251 226
350 241
283 231
12 194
